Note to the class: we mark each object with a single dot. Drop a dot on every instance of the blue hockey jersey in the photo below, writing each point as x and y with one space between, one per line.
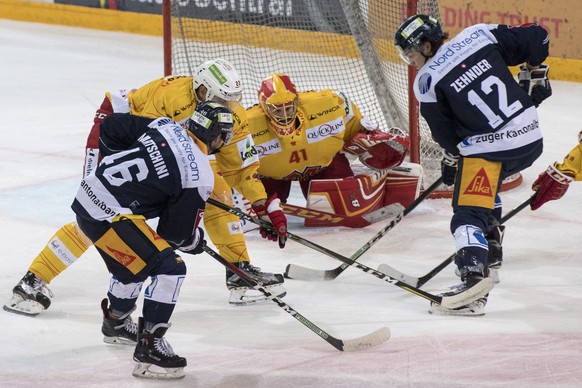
471 101
153 168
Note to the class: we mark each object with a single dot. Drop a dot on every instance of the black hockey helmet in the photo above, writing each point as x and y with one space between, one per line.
414 31
209 121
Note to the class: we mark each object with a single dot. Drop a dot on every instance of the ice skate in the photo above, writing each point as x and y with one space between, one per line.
495 253
30 296
241 294
122 330
154 355
471 276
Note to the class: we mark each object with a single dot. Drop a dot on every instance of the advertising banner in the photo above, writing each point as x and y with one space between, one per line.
560 19
324 15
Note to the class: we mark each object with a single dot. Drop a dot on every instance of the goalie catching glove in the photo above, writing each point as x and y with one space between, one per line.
379 150
551 184
270 210
535 82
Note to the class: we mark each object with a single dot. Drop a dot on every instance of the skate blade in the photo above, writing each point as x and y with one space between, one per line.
242 297
119 341
19 305
151 371
474 311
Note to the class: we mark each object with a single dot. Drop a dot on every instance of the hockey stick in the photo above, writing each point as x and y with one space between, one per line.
356 221
375 338
448 301
294 271
419 282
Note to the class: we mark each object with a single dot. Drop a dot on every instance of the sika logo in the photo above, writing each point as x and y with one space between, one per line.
480 185
122 257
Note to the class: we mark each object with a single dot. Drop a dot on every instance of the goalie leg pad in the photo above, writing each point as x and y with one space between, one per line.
403 184
350 196
364 193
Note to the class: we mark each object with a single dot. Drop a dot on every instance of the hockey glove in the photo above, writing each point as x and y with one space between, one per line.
270 210
449 168
379 150
551 184
196 244
535 82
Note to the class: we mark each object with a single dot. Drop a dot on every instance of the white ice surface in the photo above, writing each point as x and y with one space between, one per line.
53 78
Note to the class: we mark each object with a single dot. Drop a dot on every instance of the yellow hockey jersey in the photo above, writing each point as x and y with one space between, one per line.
572 163
173 96
325 121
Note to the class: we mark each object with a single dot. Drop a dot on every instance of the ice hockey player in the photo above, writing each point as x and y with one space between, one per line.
303 136
483 119
553 183
175 97
165 174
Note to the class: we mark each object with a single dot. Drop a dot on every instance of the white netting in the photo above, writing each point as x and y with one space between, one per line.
339 44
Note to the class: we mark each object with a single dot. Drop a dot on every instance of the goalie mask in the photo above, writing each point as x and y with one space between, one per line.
222 81
414 31
212 124
278 98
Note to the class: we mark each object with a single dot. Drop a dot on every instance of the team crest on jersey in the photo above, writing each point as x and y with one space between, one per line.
424 83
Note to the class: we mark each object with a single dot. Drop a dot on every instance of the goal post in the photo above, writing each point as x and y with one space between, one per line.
345 45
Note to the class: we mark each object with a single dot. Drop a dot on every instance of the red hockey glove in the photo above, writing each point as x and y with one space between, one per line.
551 184
271 211
379 150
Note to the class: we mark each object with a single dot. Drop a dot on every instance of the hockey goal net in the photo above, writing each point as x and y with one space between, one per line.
345 45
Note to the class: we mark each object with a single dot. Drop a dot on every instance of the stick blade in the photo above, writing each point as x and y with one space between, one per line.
461 299
368 341
294 271
395 274
384 213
